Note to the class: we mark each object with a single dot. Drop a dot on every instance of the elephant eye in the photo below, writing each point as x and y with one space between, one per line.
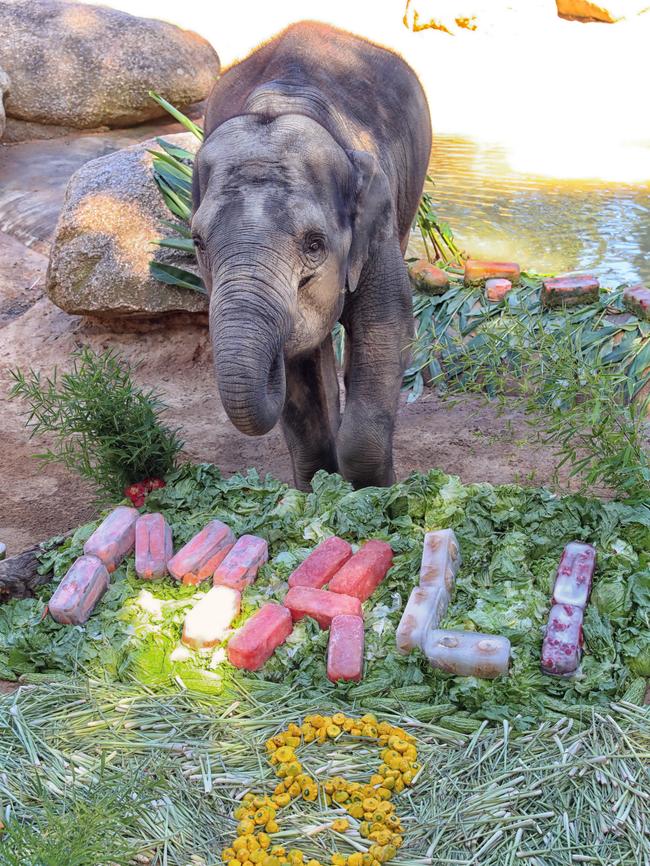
314 245
198 243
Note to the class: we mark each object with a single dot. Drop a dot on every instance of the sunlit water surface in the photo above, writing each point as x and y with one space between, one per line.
546 224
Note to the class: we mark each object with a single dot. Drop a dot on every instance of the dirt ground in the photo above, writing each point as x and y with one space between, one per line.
464 437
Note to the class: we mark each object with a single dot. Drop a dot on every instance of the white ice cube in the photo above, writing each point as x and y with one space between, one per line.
440 559
467 653
210 619
424 610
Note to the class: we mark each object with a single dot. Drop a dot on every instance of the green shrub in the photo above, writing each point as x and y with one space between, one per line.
102 425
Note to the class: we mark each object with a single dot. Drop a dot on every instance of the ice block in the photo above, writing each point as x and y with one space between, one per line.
424 610
256 641
76 596
199 558
467 653
153 546
345 648
209 620
239 569
320 604
574 574
114 537
562 645
440 559
363 572
322 563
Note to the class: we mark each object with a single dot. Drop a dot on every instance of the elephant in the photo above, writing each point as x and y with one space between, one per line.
304 191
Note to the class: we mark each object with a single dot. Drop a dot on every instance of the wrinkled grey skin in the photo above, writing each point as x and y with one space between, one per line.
305 188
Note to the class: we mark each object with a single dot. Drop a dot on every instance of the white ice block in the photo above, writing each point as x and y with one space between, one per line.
574 574
440 559
210 619
424 610
467 653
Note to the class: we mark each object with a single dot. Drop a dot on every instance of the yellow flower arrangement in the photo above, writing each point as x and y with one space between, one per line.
368 805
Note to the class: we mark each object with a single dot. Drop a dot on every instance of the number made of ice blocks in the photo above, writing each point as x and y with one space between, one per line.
440 559
256 641
114 537
562 645
209 621
153 546
364 571
574 574
199 558
239 569
345 649
467 653
424 610
76 596
322 563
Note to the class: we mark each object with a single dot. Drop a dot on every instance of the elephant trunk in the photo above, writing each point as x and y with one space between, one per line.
250 321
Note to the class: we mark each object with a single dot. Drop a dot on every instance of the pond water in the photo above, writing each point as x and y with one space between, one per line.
548 225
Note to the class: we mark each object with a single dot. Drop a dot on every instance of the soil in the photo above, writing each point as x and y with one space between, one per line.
464 437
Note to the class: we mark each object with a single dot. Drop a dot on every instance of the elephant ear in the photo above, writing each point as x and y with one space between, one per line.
372 212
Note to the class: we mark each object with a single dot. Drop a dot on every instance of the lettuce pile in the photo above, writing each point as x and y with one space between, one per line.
511 540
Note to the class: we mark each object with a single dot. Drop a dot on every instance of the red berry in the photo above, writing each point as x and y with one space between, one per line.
156 483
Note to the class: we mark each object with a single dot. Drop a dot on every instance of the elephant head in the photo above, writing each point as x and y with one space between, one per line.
283 220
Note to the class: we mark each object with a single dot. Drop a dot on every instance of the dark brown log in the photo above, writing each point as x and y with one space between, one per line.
19 577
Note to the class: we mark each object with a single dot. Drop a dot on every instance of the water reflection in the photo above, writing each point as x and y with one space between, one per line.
546 224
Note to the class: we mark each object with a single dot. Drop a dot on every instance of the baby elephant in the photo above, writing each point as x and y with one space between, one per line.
305 189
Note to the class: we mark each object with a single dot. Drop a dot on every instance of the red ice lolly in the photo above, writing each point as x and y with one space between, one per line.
153 546
239 569
362 573
199 558
114 537
322 563
320 604
345 648
562 646
76 596
574 574
259 637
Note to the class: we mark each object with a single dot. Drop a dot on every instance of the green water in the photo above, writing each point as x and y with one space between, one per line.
546 224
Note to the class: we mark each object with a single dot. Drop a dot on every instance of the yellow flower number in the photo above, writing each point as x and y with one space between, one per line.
369 805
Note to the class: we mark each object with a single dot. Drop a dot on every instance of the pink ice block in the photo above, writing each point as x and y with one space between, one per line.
345 649
199 558
562 646
114 537
153 546
322 563
76 596
239 569
574 574
256 641
320 604
362 573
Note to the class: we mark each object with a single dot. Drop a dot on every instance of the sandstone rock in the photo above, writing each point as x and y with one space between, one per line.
427 278
111 215
570 291
607 12
83 66
4 87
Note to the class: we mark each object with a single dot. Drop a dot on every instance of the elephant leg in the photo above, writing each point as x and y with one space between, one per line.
378 319
311 414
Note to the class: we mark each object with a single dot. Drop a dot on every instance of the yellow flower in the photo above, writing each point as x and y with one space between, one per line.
245 827
355 810
338 860
234 863
282 799
284 755
338 719
264 840
272 827
333 731
369 719
228 854
340 825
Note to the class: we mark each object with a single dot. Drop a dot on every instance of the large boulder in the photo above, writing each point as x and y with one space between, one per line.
4 87
112 213
88 66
